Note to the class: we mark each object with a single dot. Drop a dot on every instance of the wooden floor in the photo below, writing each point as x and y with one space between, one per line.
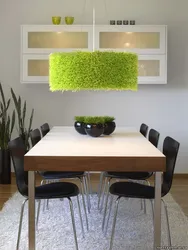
179 190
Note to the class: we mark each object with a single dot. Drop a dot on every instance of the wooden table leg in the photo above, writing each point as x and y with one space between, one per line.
31 210
157 211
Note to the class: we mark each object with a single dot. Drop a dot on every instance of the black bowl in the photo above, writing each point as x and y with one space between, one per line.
79 126
94 130
109 128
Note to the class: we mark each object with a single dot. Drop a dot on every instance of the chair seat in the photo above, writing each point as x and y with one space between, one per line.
132 190
56 190
130 175
59 175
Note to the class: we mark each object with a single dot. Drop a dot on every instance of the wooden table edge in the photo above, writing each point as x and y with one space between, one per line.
95 163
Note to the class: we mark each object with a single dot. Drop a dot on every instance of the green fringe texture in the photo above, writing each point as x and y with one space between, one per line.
98 70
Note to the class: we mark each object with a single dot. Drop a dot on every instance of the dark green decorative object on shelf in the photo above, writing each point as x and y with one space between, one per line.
75 71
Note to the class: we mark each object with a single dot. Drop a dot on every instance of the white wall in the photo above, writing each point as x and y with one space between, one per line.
162 107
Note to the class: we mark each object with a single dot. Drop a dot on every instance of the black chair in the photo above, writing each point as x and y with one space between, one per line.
139 176
57 190
45 128
144 129
136 190
50 176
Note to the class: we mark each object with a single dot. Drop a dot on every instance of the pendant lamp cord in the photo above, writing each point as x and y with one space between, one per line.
93 26
84 10
94 17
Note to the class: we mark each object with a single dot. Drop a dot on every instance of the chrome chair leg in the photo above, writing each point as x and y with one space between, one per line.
20 224
114 223
148 183
144 201
106 203
152 209
103 194
100 188
47 202
73 223
110 209
81 222
86 193
43 182
141 204
89 181
100 185
38 213
83 200
168 225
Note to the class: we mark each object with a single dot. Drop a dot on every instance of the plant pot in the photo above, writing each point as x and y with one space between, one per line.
94 130
5 167
109 128
80 127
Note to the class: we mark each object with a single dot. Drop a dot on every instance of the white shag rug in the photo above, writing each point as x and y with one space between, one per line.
134 229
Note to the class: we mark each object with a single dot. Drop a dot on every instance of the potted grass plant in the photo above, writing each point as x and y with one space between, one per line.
79 124
23 129
94 125
110 125
6 128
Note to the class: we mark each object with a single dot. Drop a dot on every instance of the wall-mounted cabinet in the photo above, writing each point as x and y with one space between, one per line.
149 42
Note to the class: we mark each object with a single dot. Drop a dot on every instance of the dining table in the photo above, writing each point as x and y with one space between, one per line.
125 150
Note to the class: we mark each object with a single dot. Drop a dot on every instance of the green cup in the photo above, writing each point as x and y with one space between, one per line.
56 20
69 20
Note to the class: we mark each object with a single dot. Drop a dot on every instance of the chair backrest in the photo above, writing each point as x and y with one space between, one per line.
170 150
154 137
45 128
35 136
144 129
17 152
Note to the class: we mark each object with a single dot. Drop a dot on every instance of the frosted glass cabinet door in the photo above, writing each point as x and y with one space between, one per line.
45 39
152 69
140 39
35 69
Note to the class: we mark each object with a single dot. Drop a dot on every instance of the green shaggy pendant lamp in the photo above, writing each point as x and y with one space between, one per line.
96 70
93 71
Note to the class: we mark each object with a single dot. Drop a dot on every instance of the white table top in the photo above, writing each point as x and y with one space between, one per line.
65 141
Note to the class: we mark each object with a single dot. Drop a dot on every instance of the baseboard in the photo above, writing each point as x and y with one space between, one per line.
181 175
